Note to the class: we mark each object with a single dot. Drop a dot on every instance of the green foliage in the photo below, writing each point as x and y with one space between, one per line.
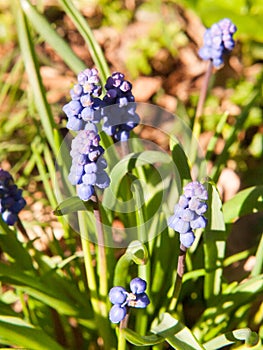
161 34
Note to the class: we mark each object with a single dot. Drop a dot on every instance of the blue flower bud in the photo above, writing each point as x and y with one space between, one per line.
120 118
87 169
141 301
85 104
217 41
188 215
85 191
187 239
188 212
117 295
11 200
102 180
9 217
117 313
199 222
138 285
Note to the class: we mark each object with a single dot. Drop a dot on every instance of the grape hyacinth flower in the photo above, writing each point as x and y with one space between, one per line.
11 200
87 169
188 212
118 108
85 102
122 299
218 40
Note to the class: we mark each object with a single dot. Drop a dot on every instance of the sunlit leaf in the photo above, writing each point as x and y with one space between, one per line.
232 337
139 340
176 334
15 331
73 204
245 202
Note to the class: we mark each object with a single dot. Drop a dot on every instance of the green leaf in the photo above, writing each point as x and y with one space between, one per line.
181 161
56 296
43 27
232 337
214 244
135 253
33 73
72 205
15 332
215 214
176 334
127 164
245 202
84 29
218 316
139 340
11 246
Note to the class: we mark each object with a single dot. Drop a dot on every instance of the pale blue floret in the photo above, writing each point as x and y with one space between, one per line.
218 40
87 169
188 212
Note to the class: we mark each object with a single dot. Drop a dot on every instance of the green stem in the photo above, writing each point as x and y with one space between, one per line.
143 270
102 261
22 229
99 306
199 110
203 92
122 344
90 273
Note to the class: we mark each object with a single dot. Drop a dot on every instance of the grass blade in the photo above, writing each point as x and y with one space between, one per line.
42 26
32 69
84 29
14 331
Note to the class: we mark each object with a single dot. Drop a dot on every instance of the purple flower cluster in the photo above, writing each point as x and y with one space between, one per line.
121 299
85 104
218 40
11 200
87 169
188 212
84 111
118 108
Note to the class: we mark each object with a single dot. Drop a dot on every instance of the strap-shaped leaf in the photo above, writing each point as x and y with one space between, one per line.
245 202
214 244
33 73
244 334
127 164
176 334
14 331
135 253
57 297
72 205
43 27
139 340
84 29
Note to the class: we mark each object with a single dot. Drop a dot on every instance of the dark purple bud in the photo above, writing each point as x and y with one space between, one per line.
9 217
141 301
